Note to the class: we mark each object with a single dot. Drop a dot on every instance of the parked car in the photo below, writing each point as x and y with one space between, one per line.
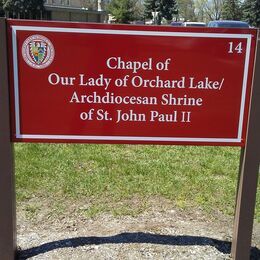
176 23
228 24
194 24
138 22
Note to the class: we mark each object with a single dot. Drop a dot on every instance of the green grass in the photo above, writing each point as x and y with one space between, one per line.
107 177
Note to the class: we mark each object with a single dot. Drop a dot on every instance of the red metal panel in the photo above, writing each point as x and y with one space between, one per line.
78 82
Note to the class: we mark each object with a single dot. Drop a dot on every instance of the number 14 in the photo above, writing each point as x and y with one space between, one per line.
235 48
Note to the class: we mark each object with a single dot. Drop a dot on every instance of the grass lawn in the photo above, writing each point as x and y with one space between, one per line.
104 175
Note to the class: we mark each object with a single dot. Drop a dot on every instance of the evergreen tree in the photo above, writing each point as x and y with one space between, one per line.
251 12
149 7
163 8
23 8
231 10
2 13
122 10
167 9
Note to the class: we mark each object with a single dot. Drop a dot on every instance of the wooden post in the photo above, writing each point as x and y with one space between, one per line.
7 183
246 196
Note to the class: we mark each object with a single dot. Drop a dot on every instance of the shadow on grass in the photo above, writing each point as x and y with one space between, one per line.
127 238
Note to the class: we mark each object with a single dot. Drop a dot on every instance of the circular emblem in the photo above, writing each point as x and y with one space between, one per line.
38 51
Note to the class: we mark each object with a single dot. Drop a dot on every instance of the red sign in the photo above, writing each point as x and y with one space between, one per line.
78 82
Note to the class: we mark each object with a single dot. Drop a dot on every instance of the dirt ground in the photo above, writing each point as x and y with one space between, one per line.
161 232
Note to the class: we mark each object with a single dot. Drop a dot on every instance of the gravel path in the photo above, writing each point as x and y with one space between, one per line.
165 234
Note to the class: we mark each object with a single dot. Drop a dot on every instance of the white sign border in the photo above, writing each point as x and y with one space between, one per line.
38 29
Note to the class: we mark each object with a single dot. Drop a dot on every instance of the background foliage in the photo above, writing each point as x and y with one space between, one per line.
191 10
28 9
127 11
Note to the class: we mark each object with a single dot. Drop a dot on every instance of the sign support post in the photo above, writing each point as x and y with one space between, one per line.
249 169
7 182
117 123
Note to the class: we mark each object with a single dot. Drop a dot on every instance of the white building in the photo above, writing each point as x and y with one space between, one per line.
75 10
